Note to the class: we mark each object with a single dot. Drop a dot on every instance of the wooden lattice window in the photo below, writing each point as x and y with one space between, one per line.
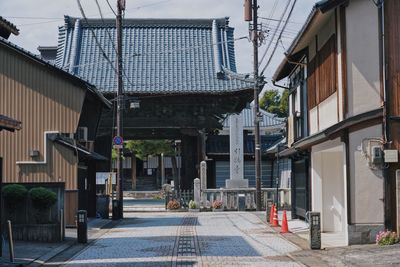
327 71
322 74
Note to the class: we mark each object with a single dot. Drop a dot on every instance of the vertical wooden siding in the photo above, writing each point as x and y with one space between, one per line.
43 101
322 74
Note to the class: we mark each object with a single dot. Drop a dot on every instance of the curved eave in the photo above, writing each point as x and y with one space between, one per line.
317 18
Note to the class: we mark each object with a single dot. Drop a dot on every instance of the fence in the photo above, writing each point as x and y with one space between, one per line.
230 197
184 197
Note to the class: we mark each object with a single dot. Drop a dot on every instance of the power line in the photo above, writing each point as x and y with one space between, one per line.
163 52
109 5
272 19
94 36
280 36
275 32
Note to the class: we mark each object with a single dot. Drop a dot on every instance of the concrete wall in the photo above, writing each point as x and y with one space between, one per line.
362 57
366 185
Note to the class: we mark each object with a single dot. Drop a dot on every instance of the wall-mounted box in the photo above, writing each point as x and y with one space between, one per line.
391 155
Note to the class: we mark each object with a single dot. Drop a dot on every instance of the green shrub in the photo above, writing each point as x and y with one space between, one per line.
42 198
14 193
192 204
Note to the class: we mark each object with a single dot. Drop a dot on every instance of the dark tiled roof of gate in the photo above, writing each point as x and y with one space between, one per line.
161 56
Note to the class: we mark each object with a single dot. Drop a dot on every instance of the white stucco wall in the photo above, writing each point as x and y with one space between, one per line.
328 185
328 113
366 185
362 57
313 120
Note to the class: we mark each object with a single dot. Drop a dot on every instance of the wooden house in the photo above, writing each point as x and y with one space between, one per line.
343 72
61 113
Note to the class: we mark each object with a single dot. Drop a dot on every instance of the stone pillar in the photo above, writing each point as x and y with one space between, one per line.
196 188
236 153
162 170
133 171
203 180
203 174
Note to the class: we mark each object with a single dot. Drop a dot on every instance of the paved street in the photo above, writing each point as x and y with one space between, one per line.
188 239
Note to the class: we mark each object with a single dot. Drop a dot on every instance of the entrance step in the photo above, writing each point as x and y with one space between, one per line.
143 194
143 205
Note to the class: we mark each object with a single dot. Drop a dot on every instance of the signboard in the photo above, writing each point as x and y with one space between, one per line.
117 140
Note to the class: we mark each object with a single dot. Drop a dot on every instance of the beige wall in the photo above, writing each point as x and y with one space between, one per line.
366 185
43 101
362 57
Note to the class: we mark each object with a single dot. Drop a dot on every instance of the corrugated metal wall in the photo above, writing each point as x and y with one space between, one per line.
43 101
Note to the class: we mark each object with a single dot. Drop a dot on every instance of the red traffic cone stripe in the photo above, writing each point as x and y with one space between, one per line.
285 228
275 219
271 214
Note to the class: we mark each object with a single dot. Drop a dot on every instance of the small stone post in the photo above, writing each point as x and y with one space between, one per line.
203 180
314 220
196 188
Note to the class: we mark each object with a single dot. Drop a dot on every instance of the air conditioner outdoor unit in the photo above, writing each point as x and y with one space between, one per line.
82 134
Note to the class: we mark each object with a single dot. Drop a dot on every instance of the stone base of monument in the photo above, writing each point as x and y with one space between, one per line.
236 183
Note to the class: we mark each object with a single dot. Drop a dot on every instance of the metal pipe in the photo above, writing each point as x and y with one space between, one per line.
10 241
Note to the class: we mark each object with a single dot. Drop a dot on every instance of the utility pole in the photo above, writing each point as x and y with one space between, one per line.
257 151
120 96
250 14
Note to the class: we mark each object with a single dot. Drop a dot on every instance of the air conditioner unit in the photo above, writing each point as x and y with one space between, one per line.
82 134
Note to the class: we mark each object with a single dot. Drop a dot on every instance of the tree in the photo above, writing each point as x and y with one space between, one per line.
143 148
276 103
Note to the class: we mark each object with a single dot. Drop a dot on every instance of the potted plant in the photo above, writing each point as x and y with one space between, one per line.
193 206
218 205
173 205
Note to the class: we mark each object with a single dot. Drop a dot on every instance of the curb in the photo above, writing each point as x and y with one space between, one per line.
60 249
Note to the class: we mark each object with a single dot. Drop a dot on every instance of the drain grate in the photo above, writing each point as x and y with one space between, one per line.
186 248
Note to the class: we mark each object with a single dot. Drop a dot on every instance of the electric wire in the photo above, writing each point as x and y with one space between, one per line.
274 34
162 52
280 36
109 5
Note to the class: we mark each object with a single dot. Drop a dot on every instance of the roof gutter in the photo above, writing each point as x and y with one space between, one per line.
332 131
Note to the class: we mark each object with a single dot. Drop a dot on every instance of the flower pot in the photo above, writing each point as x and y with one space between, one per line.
218 210
194 210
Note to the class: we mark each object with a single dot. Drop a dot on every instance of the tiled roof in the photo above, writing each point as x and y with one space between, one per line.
268 119
11 28
161 56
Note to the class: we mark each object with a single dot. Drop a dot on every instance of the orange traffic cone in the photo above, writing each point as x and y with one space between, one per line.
285 228
275 218
271 214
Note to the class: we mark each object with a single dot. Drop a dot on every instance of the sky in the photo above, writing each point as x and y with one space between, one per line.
38 21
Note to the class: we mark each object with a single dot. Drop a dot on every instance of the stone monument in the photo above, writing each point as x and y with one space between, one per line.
236 153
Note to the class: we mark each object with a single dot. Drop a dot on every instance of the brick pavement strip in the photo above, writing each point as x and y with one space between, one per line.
188 239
